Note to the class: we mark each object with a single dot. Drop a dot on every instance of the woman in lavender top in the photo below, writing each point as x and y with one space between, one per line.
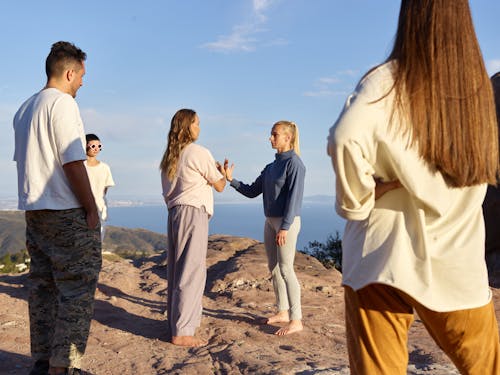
281 184
188 173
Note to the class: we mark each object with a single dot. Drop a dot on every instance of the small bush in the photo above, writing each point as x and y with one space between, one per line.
8 262
328 253
112 257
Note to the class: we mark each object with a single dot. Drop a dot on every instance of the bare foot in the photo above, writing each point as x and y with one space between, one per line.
190 341
293 326
281 317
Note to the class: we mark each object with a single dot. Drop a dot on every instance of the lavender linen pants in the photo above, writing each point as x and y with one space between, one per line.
186 268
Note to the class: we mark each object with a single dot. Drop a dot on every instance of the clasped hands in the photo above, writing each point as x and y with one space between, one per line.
227 172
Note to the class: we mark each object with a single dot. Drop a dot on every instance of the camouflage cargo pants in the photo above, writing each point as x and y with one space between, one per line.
65 264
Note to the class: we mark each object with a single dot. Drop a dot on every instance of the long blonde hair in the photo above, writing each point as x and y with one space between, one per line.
179 137
292 129
443 92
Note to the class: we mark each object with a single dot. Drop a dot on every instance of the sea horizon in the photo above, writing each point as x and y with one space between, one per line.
236 218
318 221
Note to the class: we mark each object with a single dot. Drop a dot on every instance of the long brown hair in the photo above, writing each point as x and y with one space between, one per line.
443 92
179 137
293 130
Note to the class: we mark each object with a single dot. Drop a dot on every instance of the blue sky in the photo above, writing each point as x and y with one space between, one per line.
241 64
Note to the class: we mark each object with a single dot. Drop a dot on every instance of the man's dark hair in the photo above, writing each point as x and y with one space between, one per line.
61 55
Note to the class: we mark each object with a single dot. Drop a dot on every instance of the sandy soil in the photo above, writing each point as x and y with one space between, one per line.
129 332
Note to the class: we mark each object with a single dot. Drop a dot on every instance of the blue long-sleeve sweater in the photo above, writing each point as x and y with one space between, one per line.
282 185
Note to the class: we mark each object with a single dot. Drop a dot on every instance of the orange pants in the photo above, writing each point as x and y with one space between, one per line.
377 321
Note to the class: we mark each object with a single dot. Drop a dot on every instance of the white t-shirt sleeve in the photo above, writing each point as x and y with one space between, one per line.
109 177
68 130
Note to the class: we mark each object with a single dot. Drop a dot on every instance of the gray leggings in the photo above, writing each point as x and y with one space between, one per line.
280 262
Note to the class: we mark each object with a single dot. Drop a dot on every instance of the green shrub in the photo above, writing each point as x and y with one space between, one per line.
9 261
112 257
328 253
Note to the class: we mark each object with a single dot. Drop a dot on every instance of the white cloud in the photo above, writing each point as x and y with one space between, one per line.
323 93
349 72
129 126
493 66
240 39
259 7
243 36
276 42
328 80
327 86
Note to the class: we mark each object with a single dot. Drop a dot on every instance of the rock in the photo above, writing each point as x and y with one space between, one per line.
324 289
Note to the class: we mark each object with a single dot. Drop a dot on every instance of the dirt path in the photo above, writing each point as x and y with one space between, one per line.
129 331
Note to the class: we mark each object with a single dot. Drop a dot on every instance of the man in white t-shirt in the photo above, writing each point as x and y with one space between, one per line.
62 222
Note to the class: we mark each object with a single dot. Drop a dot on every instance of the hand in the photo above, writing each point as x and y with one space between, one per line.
92 219
281 237
220 168
228 170
383 187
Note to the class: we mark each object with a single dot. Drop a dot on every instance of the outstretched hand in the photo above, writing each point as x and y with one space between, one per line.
228 170
220 168
219 185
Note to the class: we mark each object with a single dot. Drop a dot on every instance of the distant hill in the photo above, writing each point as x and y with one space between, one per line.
12 232
124 241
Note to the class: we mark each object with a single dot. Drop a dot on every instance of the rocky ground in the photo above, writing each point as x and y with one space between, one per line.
129 332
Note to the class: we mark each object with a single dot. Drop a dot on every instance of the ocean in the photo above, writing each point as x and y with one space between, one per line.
318 220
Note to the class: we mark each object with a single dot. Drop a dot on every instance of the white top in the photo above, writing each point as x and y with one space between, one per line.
48 134
192 185
426 238
100 179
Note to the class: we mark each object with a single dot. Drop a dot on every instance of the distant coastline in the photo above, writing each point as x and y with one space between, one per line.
318 220
10 203
237 218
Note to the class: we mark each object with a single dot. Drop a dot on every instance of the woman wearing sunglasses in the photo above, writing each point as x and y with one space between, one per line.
99 176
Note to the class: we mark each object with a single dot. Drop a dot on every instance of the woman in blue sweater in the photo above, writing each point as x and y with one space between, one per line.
281 184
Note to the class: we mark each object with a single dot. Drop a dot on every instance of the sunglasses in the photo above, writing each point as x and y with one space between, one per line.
93 147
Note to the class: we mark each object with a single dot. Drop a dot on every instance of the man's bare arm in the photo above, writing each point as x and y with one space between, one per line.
79 181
